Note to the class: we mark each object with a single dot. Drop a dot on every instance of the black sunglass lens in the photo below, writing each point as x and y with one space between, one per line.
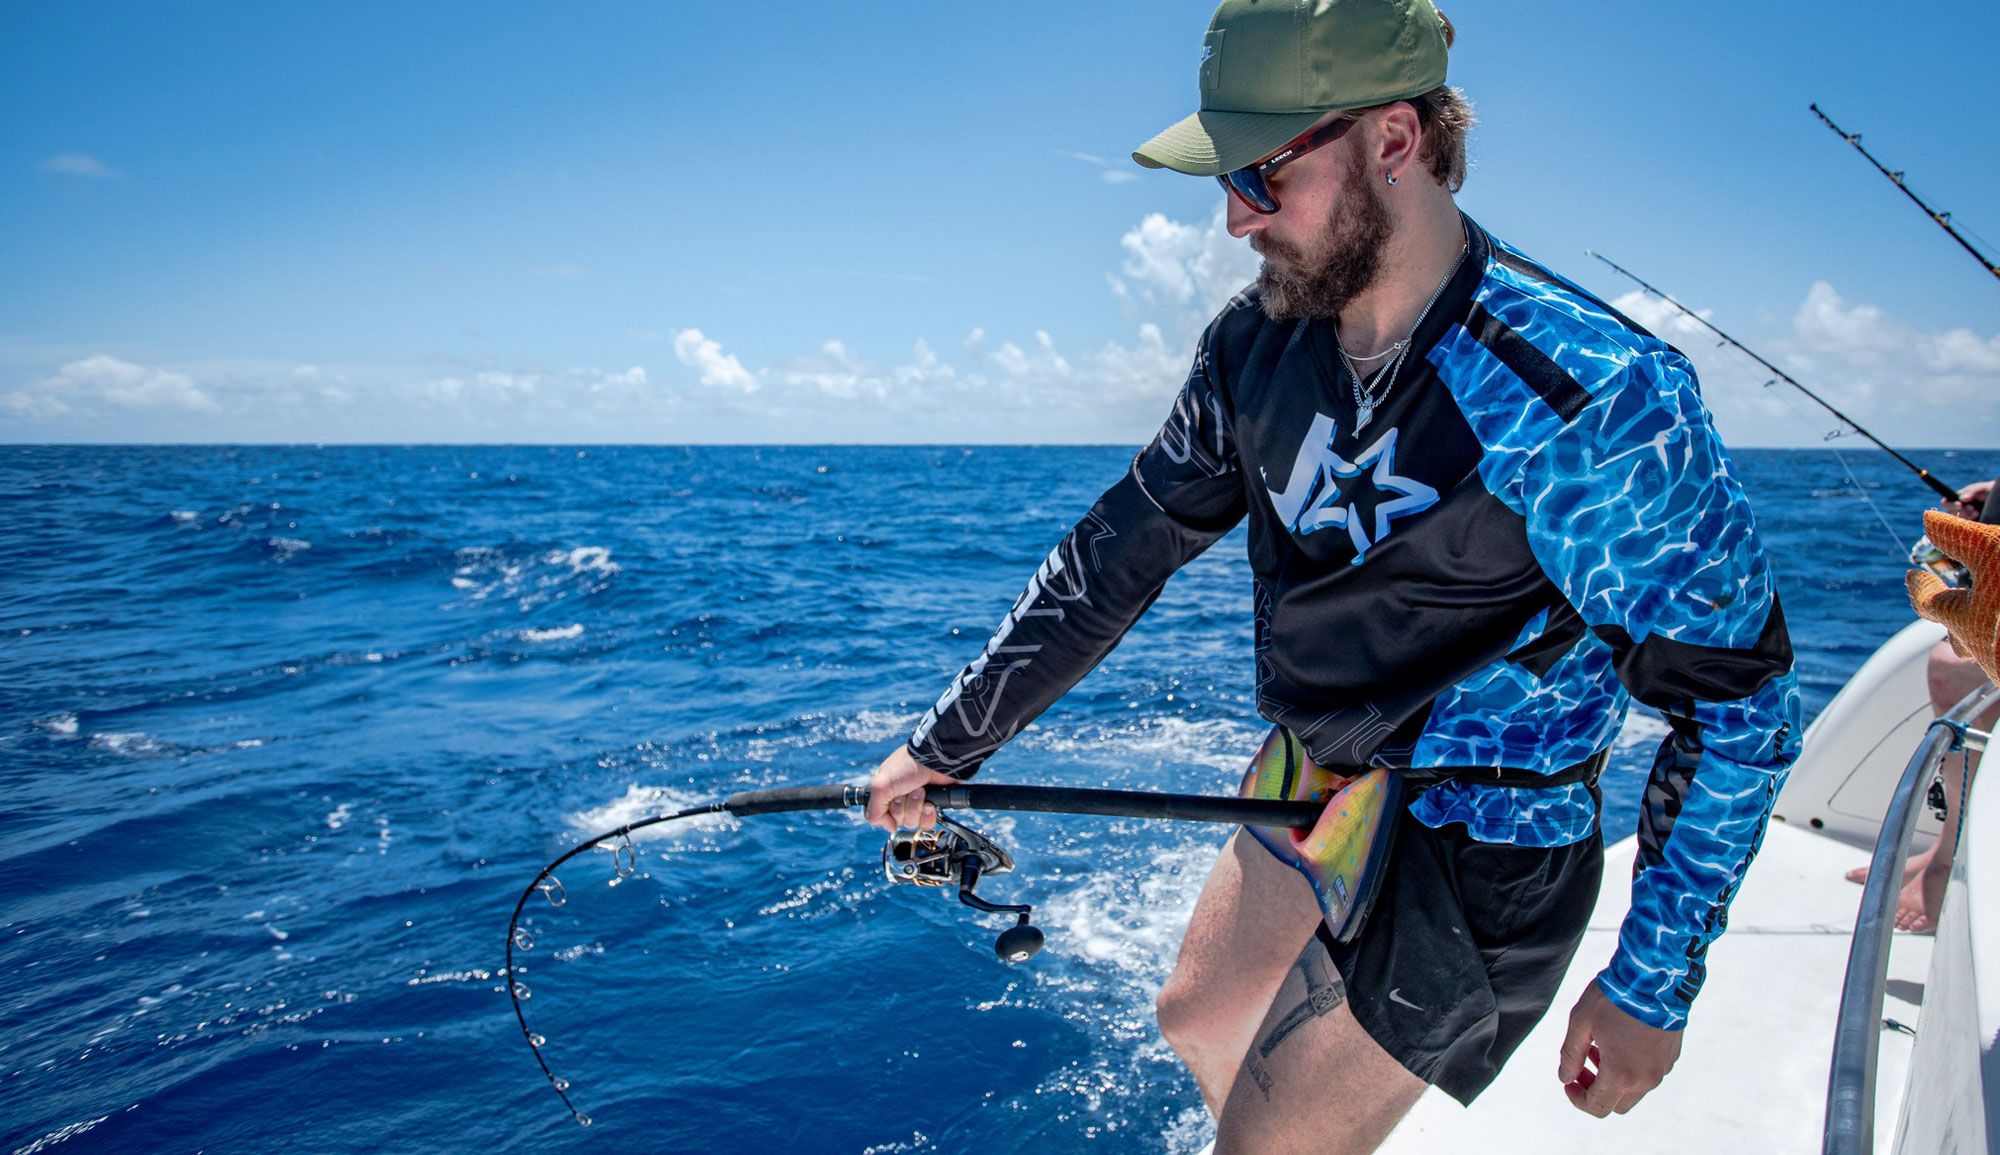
1247 184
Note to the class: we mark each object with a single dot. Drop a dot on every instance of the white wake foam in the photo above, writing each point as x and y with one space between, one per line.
483 572
641 802
558 634
287 548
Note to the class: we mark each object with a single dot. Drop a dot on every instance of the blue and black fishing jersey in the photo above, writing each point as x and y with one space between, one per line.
1537 525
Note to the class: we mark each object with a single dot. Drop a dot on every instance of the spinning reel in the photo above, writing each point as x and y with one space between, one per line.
954 854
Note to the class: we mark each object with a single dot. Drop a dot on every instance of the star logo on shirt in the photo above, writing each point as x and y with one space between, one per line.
1314 498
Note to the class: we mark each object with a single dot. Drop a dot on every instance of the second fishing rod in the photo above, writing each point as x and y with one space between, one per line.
1947 492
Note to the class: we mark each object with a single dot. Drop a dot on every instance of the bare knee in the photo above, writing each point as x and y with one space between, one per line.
1230 962
1178 1007
1951 677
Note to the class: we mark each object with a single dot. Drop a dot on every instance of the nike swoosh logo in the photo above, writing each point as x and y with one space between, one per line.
1396 996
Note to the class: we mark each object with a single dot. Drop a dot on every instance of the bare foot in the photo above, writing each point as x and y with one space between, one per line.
1922 898
1912 866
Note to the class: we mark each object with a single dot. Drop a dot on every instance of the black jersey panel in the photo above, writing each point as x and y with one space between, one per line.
1564 630
1667 674
1370 646
1550 382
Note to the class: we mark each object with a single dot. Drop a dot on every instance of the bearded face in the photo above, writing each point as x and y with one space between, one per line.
1320 276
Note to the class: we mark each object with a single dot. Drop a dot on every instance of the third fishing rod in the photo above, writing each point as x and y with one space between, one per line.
1942 219
1945 491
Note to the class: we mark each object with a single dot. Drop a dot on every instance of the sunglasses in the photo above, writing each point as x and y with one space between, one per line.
1248 185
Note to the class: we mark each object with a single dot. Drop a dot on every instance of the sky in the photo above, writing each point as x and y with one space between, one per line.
903 222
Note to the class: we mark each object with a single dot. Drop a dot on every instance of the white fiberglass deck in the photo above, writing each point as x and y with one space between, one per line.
1753 1070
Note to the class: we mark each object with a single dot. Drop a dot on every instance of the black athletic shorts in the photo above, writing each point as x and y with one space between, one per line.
1464 949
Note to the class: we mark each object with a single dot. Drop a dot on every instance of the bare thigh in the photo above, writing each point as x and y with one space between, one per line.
1254 915
1952 677
1312 1079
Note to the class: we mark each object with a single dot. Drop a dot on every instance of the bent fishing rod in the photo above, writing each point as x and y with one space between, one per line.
1942 490
1941 219
951 855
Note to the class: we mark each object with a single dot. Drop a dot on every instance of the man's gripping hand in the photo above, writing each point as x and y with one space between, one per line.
1631 1058
896 792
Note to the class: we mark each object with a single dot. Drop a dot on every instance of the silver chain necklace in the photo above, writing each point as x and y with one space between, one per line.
1366 399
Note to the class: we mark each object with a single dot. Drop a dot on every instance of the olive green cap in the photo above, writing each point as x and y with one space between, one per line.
1271 68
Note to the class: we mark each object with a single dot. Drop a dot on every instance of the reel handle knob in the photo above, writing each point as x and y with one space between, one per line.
1018 943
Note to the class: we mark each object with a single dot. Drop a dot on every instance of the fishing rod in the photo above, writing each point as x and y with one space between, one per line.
1942 219
1943 490
951 855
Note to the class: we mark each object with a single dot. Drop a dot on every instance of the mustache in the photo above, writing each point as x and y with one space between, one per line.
1266 246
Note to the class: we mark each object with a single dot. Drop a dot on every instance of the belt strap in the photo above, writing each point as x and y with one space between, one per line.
1586 772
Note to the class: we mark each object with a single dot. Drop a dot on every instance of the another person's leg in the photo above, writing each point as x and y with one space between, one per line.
1951 679
1253 916
1945 674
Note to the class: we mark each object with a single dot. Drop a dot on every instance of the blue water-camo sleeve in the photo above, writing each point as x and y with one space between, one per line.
1183 491
1635 515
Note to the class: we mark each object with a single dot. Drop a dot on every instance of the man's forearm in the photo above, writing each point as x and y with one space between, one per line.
1080 602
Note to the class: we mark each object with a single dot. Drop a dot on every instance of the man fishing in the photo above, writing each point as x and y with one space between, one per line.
1486 512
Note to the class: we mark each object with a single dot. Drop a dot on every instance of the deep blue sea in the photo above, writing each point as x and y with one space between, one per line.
284 732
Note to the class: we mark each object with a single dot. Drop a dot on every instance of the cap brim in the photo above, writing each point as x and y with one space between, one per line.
1212 142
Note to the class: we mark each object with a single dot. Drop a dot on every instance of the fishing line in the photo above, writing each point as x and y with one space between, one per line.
1945 491
1895 539
951 855
624 857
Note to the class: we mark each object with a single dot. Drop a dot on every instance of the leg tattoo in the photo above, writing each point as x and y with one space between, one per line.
1313 988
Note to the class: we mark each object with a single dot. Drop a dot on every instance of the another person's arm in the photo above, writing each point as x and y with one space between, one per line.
1971 503
1634 513
1182 492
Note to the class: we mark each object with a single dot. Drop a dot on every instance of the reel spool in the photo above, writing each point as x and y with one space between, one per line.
954 854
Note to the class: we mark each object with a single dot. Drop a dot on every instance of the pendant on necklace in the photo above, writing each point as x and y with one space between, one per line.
1364 415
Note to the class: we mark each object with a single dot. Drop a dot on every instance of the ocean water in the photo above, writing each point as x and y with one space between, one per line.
284 732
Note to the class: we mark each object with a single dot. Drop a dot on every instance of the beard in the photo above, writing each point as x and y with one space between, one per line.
1321 277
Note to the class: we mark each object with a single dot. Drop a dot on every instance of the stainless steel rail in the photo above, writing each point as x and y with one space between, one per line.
1850 1088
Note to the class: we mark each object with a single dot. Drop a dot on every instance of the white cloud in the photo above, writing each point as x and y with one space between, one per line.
835 372
1662 319
1111 173
522 391
487 385
928 366
838 373
1198 267
34 406
1173 276
1146 373
104 380
717 368
1044 362
1884 373
1827 323
78 164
